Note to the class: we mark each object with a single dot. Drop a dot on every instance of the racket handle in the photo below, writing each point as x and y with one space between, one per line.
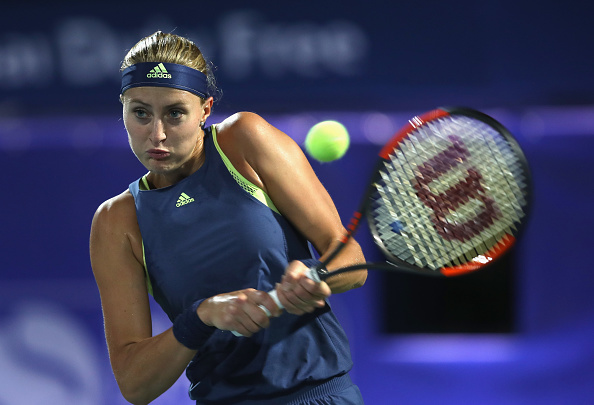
274 297
312 274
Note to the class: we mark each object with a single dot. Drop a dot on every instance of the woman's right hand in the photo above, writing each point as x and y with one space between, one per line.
239 311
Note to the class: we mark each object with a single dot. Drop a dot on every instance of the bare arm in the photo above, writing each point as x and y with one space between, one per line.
144 366
273 161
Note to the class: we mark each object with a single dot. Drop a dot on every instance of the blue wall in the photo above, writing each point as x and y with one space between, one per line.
63 151
329 54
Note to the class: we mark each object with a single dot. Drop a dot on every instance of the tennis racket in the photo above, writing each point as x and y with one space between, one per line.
448 196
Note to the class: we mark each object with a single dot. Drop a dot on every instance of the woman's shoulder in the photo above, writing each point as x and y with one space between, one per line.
241 126
116 211
116 243
249 141
250 133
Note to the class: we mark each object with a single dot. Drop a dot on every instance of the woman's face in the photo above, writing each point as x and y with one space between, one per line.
164 128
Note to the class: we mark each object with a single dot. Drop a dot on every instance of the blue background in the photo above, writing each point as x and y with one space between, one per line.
370 65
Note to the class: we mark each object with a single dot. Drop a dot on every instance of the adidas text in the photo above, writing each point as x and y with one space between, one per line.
184 202
159 75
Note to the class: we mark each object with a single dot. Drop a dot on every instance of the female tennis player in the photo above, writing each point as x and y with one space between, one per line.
223 215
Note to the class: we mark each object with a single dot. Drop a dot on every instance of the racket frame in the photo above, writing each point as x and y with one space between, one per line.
392 262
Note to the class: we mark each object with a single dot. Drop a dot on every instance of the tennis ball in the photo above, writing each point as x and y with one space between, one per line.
327 141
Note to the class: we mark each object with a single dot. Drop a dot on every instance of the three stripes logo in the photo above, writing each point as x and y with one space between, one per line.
158 71
183 200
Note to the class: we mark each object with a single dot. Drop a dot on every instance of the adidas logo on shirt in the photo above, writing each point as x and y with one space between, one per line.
183 200
159 71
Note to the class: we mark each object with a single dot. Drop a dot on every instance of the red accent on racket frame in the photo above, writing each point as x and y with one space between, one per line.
352 226
494 253
413 124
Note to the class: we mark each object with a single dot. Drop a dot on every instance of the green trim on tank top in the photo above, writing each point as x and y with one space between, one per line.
244 183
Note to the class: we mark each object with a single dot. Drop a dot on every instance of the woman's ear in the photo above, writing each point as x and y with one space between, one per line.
206 108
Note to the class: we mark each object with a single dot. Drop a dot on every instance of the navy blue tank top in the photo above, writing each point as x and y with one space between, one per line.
215 232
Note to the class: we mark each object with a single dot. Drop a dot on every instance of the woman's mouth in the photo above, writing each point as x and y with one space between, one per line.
158 154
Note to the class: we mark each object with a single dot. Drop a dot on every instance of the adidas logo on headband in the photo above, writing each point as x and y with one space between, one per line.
159 71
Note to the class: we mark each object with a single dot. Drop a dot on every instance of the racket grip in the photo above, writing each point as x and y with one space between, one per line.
312 274
274 297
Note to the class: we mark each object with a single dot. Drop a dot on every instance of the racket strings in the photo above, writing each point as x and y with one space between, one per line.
398 204
425 247
449 194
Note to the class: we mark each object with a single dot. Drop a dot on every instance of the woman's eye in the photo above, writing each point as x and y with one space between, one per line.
175 114
140 113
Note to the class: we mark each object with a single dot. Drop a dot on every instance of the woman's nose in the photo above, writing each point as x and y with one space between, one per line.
158 132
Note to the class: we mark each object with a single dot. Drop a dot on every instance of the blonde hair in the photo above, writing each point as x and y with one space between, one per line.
171 48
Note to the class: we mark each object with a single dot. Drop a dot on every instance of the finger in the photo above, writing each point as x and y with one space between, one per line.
266 303
294 272
243 313
256 317
312 294
287 300
235 319
299 276
251 326
266 311
297 305
252 321
272 305
243 331
310 291
317 289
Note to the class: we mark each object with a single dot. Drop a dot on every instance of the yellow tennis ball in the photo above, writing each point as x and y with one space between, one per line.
327 141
